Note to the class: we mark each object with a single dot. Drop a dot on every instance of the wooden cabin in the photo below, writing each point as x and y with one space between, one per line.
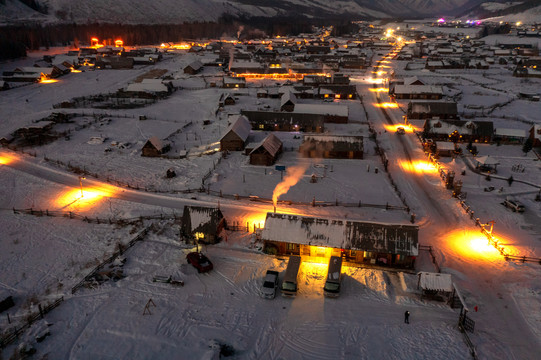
202 224
236 135
154 147
193 68
266 152
285 121
332 146
393 245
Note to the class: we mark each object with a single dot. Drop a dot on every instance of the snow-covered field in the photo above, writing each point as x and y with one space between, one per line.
43 257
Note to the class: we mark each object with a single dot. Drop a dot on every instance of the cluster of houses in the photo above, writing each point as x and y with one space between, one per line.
453 52
42 70
440 121
359 242
51 67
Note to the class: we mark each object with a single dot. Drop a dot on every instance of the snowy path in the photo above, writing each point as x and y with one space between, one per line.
502 331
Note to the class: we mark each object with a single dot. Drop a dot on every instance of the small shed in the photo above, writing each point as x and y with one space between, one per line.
202 224
236 135
193 68
288 101
435 286
154 147
445 148
267 151
226 99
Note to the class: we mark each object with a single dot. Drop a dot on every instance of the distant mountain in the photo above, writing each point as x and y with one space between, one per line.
179 11
525 11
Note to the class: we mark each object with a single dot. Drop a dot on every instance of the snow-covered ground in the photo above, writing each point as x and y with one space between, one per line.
43 257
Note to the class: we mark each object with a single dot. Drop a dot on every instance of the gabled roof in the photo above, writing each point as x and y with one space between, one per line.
487 160
157 143
414 80
196 65
271 144
240 126
201 216
288 96
342 234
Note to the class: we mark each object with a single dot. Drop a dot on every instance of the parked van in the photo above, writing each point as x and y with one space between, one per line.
334 277
289 284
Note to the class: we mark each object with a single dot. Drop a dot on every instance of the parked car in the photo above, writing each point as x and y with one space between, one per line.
514 205
199 261
270 284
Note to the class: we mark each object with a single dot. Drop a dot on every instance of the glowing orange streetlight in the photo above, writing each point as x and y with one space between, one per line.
81 184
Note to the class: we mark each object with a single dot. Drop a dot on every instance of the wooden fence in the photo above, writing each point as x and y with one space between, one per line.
110 259
17 331
95 220
491 239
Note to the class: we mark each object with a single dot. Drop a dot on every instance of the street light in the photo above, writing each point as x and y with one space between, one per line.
81 184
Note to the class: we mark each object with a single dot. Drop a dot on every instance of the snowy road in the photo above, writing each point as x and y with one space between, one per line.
486 282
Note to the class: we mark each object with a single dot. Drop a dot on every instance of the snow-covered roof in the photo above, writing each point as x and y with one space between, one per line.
518 133
342 234
157 143
200 216
240 126
411 80
234 80
322 109
196 65
271 143
445 145
417 89
487 160
288 96
435 281
336 138
433 107
38 70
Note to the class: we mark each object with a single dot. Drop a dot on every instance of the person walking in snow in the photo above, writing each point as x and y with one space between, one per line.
407 317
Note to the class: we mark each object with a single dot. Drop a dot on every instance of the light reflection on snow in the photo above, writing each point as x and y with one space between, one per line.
387 105
418 167
470 243
4 160
90 197
382 89
394 127
48 81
